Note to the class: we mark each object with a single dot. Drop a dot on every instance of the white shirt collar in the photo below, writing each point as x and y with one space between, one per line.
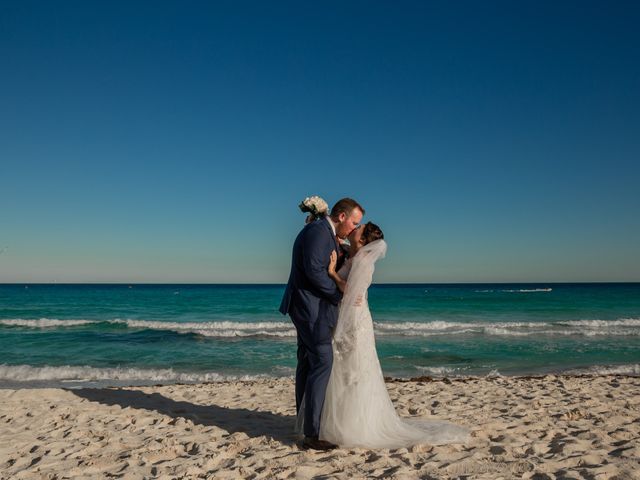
333 227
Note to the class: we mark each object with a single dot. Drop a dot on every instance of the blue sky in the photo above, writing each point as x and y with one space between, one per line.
172 141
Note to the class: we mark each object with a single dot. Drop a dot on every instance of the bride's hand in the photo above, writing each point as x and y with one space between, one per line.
333 260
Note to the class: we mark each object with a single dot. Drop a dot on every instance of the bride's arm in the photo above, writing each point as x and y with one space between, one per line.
333 274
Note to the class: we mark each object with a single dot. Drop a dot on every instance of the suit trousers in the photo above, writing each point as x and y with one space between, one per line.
315 359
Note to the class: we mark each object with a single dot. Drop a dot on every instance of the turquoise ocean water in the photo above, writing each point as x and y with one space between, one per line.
131 334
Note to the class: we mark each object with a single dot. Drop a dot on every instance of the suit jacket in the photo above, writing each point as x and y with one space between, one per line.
311 295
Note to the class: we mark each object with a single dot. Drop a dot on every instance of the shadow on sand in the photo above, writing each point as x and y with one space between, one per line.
253 423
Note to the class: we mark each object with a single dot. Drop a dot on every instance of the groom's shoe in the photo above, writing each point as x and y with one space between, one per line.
316 444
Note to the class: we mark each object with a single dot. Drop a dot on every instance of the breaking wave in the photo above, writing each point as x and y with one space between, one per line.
438 371
44 323
230 329
219 329
27 373
589 328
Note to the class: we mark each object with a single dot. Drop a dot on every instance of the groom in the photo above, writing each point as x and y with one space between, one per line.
311 300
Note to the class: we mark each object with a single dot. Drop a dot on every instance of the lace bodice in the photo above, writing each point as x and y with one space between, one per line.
343 273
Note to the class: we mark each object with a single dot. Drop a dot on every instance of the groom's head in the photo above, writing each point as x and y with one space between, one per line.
346 215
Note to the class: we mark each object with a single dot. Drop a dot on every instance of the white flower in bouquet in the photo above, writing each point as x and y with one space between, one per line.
315 206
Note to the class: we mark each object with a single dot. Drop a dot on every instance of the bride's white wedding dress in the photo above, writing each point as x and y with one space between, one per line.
357 410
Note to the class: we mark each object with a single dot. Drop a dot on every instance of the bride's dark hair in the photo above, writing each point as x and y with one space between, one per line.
371 232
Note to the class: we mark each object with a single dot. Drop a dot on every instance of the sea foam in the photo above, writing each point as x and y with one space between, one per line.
27 373
44 323
275 329
218 329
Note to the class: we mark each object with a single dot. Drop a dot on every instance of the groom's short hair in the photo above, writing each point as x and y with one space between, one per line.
346 206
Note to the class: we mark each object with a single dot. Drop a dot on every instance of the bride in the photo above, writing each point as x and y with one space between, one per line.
357 411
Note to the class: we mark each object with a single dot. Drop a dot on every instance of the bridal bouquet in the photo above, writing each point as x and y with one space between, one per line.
315 206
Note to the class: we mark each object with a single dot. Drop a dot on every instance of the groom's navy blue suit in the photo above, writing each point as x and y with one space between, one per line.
311 300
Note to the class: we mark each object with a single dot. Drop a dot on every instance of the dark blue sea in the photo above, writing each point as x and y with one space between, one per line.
69 335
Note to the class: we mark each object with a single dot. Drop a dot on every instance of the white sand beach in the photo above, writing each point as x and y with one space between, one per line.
530 427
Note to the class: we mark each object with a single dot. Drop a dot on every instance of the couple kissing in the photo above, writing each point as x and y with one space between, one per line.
341 396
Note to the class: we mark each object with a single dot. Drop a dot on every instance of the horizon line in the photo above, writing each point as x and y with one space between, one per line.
283 284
